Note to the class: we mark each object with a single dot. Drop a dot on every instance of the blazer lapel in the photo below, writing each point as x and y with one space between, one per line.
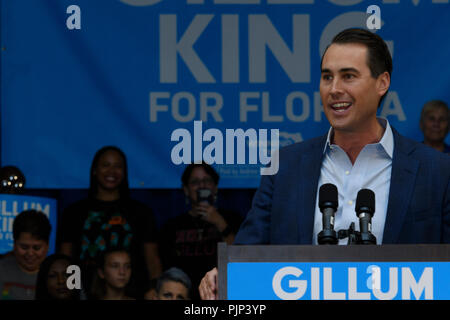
403 176
309 167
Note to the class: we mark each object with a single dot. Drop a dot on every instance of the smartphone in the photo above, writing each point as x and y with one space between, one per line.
205 195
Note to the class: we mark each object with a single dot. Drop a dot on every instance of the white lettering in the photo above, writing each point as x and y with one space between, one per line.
392 106
300 285
409 283
169 48
240 136
74 20
155 107
393 285
374 20
213 109
267 117
328 293
74 280
353 293
198 142
190 100
263 34
315 283
213 152
304 106
230 48
184 146
245 107
216 146
209 106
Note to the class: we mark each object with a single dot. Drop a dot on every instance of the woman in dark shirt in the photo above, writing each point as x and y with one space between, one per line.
109 218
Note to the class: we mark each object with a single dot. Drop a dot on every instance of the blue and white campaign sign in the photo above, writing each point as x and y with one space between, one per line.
11 205
339 281
81 74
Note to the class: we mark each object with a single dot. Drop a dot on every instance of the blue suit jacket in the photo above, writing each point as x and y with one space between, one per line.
419 197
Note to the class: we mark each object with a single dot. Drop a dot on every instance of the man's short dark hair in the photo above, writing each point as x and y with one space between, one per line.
34 222
379 58
208 169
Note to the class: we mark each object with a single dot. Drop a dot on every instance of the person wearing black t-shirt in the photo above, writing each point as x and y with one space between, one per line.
189 241
109 218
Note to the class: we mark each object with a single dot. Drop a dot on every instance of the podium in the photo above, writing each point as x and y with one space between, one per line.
334 272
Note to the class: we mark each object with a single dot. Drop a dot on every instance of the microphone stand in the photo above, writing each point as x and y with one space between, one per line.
354 237
350 233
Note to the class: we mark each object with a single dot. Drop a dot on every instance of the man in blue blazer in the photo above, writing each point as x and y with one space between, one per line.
418 207
411 181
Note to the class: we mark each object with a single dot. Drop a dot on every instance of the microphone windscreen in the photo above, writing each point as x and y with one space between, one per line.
365 201
328 196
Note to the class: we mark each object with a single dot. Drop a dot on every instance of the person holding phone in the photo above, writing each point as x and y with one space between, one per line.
189 241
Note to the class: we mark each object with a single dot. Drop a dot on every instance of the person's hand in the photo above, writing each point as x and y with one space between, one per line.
208 286
209 214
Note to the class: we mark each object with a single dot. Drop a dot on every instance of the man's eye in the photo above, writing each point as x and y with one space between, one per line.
326 77
349 76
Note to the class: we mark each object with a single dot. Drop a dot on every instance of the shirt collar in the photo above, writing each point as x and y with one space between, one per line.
387 140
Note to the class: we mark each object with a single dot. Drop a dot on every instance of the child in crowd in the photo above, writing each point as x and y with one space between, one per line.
113 276
52 279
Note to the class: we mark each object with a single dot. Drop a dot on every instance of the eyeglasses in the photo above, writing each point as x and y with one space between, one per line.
204 181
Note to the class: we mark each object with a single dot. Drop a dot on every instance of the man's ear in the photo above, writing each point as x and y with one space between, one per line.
383 83
100 273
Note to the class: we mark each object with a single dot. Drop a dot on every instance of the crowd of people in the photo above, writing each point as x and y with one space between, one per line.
123 255
115 242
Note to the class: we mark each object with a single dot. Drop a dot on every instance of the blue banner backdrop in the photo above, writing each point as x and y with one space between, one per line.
137 70
11 205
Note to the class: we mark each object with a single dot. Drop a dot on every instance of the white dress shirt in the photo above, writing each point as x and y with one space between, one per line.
371 170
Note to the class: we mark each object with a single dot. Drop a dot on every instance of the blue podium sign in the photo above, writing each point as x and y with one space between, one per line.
12 205
339 281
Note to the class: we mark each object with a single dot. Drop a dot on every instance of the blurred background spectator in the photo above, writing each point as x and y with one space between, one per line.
189 241
109 218
173 284
111 282
52 278
18 272
434 123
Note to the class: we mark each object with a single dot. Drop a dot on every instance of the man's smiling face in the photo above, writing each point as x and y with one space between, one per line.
349 93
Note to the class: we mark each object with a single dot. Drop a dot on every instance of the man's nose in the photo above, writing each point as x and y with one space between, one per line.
336 87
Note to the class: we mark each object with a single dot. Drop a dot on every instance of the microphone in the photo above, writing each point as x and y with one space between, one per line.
328 204
365 209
